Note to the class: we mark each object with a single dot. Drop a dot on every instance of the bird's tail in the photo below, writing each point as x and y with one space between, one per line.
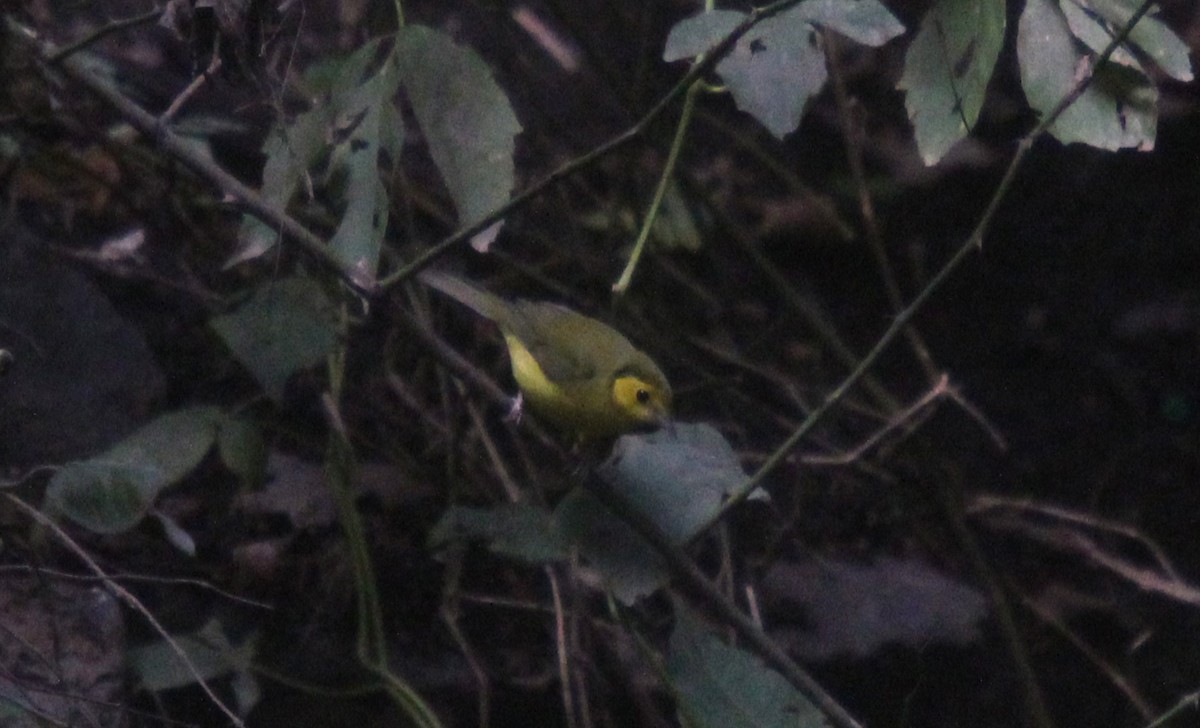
487 305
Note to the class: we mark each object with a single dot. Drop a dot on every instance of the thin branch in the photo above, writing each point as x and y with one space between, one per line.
698 583
973 242
1119 681
102 32
939 390
126 596
141 578
711 58
196 160
854 157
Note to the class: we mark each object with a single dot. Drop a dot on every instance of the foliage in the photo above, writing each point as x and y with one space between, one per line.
343 161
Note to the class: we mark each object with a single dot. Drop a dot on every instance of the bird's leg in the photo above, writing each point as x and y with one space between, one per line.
516 409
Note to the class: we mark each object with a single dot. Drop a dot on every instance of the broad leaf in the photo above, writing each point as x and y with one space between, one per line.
695 35
865 21
677 477
774 70
719 686
286 326
1150 35
159 667
946 71
1117 110
352 118
112 492
778 65
467 121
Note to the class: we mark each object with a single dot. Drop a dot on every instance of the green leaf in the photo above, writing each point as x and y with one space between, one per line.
692 36
103 497
774 69
286 326
467 119
1155 39
677 477
359 236
352 119
1117 110
865 21
173 443
520 530
159 667
719 686
777 66
631 569
946 71
112 492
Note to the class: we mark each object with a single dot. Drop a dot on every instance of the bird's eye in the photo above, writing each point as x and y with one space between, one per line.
643 396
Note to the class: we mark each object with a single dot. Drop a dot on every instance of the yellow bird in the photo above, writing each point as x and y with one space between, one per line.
578 374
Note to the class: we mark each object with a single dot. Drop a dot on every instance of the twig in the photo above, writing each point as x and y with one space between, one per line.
101 32
196 160
563 649
695 581
192 88
126 596
1117 679
1187 701
984 502
973 242
1141 577
711 58
850 133
450 612
142 578
660 192
940 389
1035 704
809 312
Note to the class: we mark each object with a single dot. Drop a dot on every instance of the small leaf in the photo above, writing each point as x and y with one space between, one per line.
1117 110
719 686
286 326
774 69
176 535
946 71
467 119
173 443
